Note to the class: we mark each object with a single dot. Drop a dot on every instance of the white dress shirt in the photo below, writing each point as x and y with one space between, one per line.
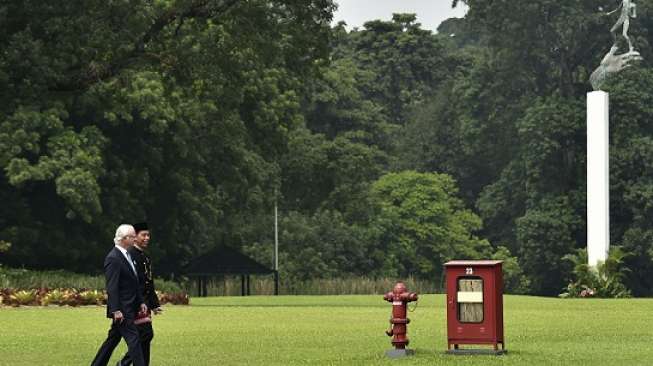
128 257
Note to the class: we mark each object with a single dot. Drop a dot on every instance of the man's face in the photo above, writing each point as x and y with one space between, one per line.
128 240
143 239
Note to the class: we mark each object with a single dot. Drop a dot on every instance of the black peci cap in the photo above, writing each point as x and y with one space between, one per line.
140 226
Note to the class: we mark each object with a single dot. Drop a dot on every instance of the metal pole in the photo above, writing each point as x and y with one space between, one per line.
276 248
276 283
242 285
276 237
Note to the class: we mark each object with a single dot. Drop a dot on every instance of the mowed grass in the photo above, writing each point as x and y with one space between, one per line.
335 330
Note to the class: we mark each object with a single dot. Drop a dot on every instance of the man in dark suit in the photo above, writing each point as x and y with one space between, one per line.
146 282
124 299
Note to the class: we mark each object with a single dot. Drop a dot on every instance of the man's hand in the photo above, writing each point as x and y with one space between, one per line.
158 311
118 317
143 308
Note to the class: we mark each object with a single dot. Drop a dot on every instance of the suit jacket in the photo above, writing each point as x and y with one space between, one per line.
123 291
145 277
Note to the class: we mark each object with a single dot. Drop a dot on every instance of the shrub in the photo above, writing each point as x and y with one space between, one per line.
514 280
29 279
60 287
167 286
606 281
92 297
54 297
4 279
179 298
4 246
19 278
23 297
73 297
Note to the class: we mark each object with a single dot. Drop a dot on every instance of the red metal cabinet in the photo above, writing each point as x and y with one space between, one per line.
475 303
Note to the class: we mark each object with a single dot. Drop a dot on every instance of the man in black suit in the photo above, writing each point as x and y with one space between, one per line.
124 299
146 282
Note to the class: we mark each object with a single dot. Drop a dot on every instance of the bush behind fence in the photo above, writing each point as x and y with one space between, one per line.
225 286
29 279
232 286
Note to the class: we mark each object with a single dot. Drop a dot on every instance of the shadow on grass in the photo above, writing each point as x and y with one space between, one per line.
439 352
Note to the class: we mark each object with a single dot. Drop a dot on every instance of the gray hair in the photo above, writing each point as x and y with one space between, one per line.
122 231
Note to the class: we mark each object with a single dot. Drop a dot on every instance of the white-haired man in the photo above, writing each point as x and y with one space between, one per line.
124 299
146 282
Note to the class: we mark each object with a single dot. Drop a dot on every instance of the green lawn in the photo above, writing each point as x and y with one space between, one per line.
329 330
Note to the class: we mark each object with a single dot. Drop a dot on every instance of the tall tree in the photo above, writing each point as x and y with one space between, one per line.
422 223
175 111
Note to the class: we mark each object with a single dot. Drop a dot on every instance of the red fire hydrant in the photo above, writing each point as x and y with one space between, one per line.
399 297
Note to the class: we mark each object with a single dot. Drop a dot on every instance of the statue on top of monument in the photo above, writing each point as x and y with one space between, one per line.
628 10
613 63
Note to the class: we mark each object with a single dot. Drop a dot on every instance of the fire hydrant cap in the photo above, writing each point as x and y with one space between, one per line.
399 288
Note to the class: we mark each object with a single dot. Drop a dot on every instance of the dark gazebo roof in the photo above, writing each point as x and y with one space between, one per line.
224 260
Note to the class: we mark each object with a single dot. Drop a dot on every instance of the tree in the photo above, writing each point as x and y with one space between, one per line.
422 224
546 234
631 174
467 129
545 45
321 245
538 193
172 111
318 173
337 106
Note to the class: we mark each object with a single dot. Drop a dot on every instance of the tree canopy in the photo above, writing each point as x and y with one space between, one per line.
388 149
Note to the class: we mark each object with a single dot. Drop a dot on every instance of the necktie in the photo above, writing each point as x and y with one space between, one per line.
131 263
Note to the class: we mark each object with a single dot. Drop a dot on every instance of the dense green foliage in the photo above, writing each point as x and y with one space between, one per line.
28 279
604 281
173 111
354 285
389 149
266 331
422 225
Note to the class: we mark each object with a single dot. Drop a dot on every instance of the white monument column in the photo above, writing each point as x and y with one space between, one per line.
598 172
598 177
